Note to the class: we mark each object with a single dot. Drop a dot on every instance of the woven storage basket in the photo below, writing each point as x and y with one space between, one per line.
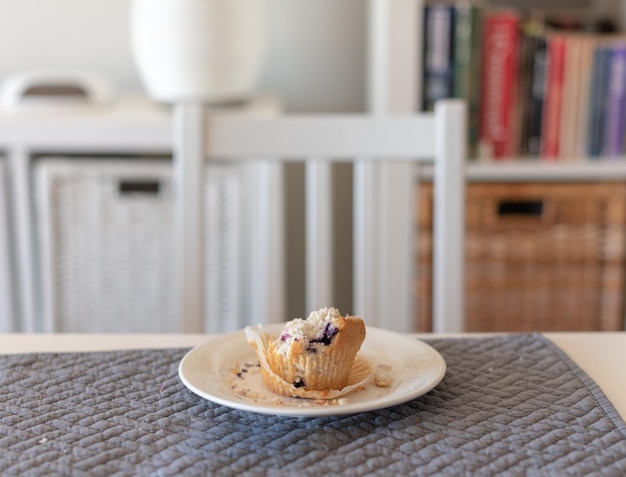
106 238
539 256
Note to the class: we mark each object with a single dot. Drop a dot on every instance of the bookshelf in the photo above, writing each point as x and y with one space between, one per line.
396 86
396 80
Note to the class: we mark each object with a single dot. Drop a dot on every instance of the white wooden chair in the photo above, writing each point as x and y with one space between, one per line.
384 241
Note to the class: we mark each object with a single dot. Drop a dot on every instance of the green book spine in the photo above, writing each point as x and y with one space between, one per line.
467 47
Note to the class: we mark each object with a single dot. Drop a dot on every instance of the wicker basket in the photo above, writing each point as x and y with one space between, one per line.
539 257
106 240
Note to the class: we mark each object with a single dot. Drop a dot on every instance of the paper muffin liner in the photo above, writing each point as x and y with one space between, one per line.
322 371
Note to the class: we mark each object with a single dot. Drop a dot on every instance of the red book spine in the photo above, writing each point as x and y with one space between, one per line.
498 130
554 98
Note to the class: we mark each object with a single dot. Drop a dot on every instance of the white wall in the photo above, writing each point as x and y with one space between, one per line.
315 56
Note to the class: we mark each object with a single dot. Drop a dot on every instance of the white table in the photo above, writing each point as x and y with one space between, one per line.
601 355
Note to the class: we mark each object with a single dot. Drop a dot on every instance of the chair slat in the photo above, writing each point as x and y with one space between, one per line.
396 247
385 138
365 242
188 168
319 234
449 218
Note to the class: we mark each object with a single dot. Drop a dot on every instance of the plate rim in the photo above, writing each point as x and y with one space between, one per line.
317 411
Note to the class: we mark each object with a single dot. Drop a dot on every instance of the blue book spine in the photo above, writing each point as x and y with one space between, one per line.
598 97
438 68
615 103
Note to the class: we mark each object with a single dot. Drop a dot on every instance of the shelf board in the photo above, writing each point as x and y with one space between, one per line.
128 123
537 170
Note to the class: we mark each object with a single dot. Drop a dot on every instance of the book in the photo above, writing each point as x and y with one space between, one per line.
615 110
467 48
550 133
537 98
497 135
597 103
587 47
532 66
524 84
570 92
438 68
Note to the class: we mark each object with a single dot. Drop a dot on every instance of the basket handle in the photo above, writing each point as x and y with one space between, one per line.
138 186
536 212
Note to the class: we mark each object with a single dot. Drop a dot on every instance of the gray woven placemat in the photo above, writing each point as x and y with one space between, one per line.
509 405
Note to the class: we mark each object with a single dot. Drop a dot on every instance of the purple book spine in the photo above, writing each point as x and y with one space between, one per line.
616 103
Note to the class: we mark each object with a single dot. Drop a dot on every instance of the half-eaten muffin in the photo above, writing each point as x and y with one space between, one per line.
316 354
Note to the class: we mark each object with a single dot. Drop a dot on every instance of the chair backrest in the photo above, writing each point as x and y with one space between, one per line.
384 151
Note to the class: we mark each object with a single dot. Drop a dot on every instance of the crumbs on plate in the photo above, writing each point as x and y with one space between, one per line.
244 380
383 376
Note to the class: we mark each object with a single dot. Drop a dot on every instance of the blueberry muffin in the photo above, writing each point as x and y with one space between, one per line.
316 354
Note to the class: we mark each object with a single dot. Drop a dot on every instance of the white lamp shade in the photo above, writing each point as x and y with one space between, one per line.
198 50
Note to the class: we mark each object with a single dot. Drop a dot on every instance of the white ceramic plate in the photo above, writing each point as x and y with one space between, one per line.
212 370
